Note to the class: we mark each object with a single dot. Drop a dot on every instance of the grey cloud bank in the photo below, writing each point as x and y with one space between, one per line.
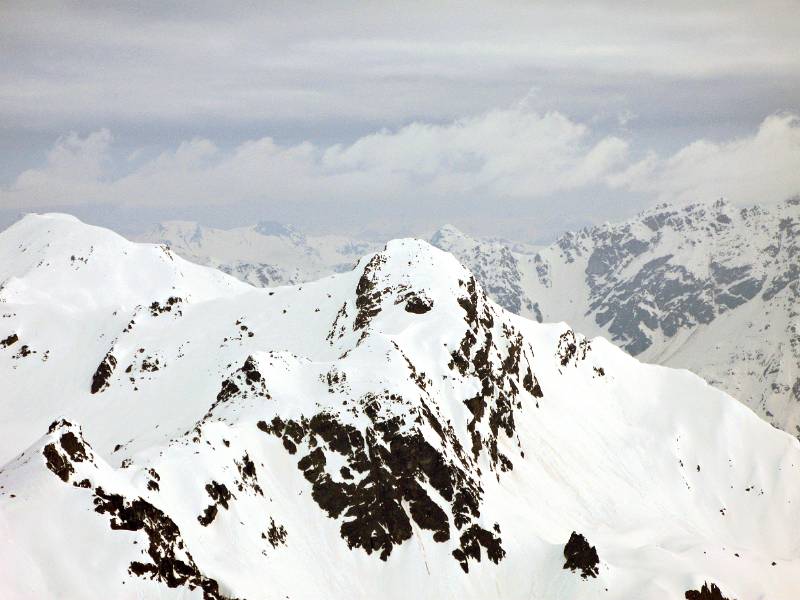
556 114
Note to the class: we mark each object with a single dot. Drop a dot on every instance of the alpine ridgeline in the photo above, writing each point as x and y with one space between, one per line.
707 287
389 432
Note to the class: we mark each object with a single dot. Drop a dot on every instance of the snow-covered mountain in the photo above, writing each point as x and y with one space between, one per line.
495 265
707 287
266 254
388 432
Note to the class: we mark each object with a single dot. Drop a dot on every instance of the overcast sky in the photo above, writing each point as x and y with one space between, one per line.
505 118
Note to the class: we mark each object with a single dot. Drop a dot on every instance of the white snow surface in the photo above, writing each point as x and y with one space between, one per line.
673 481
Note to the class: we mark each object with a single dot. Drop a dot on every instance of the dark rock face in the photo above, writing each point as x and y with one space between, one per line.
580 555
661 295
170 561
500 384
103 373
368 298
11 339
637 287
570 349
394 476
633 300
220 495
276 534
418 304
244 382
69 449
674 270
705 593
389 467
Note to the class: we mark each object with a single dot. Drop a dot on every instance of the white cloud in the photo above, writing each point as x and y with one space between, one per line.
761 168
72 174
504 153
512 154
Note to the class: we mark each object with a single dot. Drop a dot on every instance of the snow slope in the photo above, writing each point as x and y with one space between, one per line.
388 432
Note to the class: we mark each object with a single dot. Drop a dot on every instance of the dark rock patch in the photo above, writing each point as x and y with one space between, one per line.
338 329
171 305
103 373
418 304
495 360
220 495
368 298
471 542
571 349
531 384
380 493
707 592
276 534
11 339
580 555
244 382
247 470
61 456
57 463
74 447
24 352
171 563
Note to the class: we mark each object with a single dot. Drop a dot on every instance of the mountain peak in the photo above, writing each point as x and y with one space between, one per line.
388 422
448 235
58 260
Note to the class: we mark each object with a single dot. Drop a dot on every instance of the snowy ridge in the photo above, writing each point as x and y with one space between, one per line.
707 287
57 260
389 425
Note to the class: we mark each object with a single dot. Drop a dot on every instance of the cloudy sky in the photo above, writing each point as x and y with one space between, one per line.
506 118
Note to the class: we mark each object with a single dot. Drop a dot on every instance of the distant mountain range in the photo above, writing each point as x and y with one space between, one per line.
167 431
265 254
708 287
